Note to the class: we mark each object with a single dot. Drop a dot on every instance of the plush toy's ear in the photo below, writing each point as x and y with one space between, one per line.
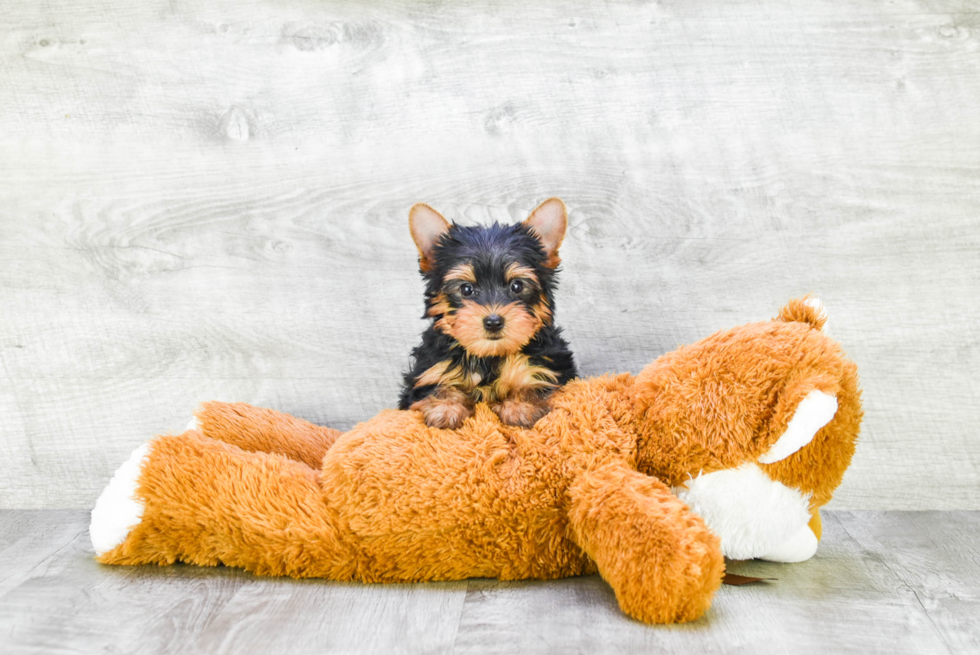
548 222
427 226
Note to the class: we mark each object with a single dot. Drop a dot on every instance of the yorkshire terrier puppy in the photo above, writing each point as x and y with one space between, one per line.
489 293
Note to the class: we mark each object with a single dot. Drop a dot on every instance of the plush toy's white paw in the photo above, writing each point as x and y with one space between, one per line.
193 424
801 546
750 512
118 510
813 412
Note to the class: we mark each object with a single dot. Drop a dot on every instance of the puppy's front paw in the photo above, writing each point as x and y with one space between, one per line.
445 413
520 413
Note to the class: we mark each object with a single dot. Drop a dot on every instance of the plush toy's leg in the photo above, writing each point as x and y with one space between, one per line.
193 499
660 559
264 430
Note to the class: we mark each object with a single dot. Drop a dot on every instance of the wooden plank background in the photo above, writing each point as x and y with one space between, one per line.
208 200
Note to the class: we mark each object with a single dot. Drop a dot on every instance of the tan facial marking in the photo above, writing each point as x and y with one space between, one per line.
440 305
542 312
519 271
463 272
466 326
445 324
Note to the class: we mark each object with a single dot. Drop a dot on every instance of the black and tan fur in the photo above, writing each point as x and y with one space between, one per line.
490 296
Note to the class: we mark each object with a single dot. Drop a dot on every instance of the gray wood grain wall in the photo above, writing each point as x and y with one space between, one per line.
208 200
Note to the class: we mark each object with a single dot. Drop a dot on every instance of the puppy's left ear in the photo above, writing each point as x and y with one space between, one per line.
548 223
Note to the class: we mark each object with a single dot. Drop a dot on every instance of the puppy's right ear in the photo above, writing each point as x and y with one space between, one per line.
548 223
427 226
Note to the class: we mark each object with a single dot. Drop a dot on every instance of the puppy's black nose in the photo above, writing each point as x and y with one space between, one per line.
493 323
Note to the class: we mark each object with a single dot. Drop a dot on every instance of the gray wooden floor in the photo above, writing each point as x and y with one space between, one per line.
888 582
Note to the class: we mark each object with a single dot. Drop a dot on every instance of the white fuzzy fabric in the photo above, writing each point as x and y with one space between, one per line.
813 412
751 513
818 305
801 546
193 424
118 510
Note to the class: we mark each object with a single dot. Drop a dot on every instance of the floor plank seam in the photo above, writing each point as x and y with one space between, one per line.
939 631
459 619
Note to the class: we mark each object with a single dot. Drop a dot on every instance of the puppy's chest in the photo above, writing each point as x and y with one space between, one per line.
479 378
495 378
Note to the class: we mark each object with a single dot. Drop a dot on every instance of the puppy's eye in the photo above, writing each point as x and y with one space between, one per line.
516 287
466 289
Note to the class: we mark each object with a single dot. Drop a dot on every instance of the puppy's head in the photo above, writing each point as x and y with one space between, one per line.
490 288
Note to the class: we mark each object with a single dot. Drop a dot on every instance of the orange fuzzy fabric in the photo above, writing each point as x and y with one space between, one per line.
586 489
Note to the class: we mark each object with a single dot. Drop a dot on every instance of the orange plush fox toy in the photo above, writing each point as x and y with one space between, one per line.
727 447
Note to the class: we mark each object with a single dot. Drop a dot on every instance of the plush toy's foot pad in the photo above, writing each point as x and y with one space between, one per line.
813 412
801 546
118 510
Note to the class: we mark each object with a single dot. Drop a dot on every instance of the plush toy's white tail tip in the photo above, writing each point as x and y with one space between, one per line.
118 510
805 310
